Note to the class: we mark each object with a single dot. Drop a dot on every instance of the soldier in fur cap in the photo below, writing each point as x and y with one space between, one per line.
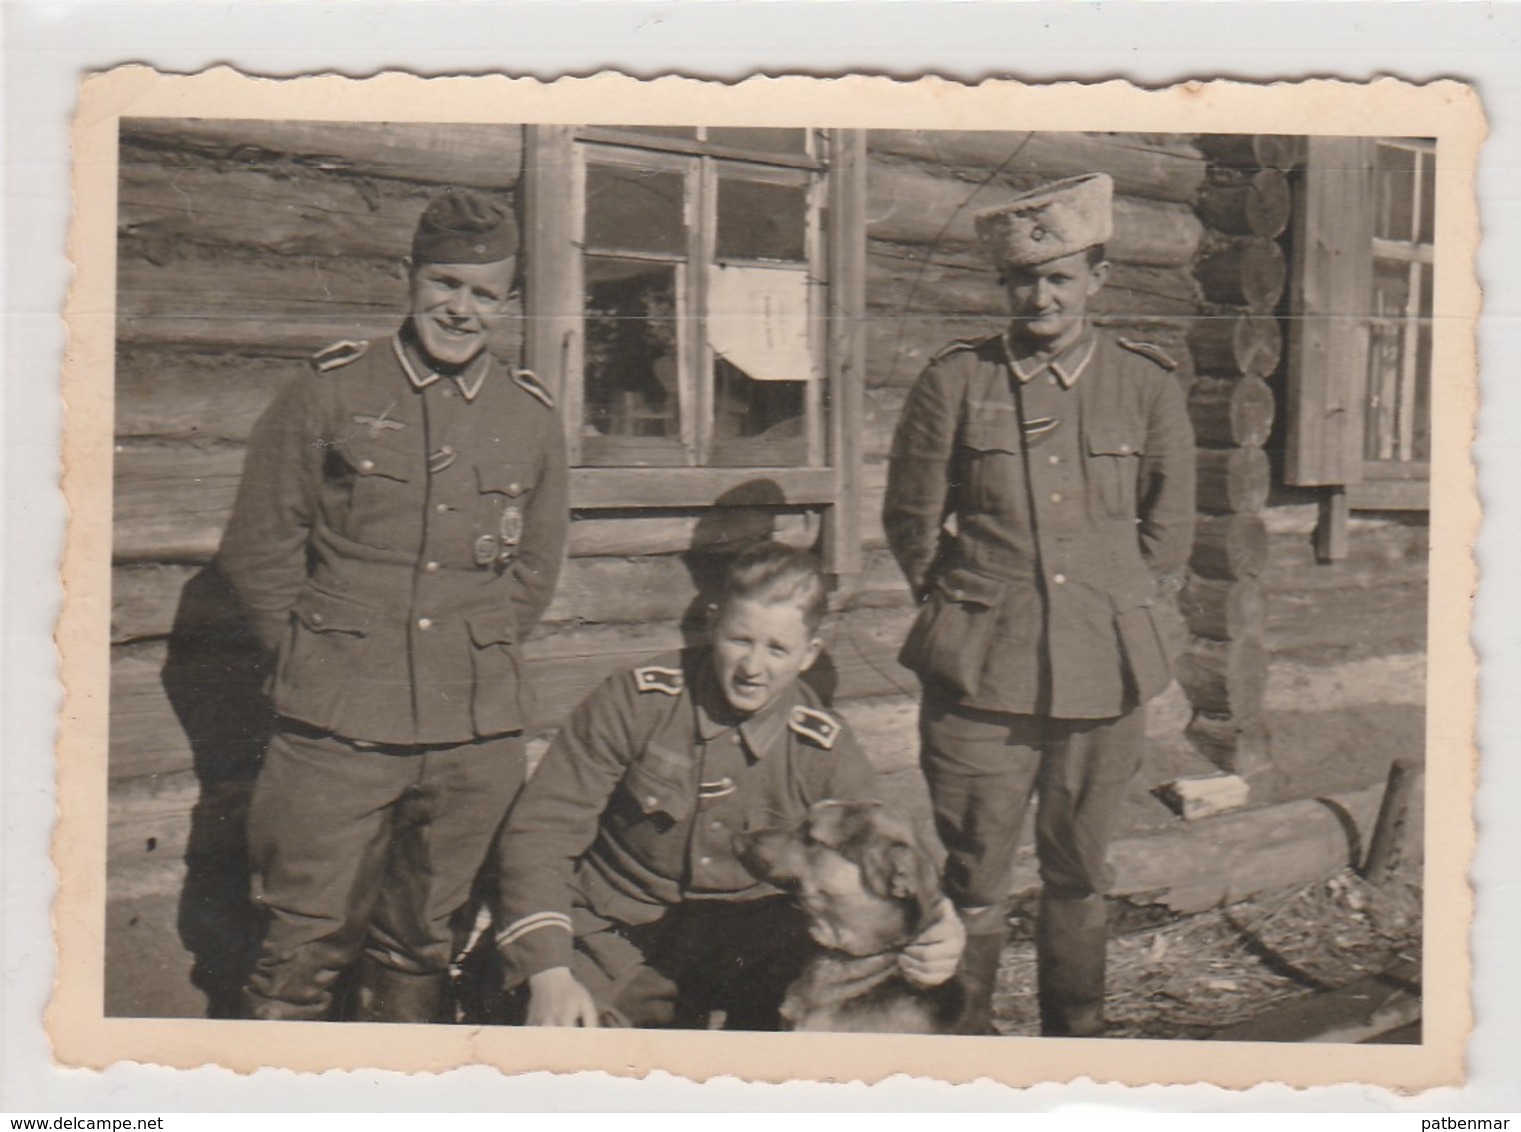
1040 490
397 533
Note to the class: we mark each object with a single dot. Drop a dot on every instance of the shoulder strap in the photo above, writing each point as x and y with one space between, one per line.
1149 351
529 381
655 678
338 354
817 726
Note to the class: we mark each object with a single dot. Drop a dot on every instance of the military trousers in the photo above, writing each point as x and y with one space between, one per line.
701 957
357 849
982 769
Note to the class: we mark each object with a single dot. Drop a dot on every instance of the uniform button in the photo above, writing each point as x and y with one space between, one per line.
1053 459
514 488
441 508
715 825
704 860
316 619
958 595
449 393
1059 579
651 800
445 450
735 739
431 567
1125 448
1051 378
366 465
425 623
1056 497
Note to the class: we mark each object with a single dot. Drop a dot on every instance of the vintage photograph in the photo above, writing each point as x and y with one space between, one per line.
782 577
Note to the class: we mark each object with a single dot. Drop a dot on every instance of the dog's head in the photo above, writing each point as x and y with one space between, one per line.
860 874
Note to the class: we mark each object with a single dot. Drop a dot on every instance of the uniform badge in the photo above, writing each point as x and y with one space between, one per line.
1037 429
380 422
819 726
485 550
653 678
510 530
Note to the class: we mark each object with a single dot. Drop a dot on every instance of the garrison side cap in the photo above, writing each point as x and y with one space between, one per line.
465 226
1050 222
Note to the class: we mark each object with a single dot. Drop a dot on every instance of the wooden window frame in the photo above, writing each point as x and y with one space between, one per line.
831 482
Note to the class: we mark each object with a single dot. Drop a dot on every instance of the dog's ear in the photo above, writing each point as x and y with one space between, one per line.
901 870
832 824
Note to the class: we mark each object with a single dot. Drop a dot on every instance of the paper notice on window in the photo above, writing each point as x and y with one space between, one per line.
758 322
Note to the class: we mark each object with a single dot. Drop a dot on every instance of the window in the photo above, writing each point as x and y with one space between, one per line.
1360 379
694 296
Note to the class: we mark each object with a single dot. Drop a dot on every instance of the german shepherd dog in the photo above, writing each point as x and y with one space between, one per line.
868 888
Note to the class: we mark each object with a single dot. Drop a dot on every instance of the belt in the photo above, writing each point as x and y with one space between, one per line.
399 750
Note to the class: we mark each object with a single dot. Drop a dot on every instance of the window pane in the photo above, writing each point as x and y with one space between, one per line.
1421 425
777 141
1394 218
632 359
1428 197
757 422
761 221
1386 357
629 209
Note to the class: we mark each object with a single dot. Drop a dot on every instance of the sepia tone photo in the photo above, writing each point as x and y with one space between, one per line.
655 574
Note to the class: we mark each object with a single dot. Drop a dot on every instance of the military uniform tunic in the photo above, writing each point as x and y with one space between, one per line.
396 536
633 810
1068 492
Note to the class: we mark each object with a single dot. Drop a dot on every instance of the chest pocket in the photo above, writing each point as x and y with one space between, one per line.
372 491
991 464
501 509
1114 465
658 790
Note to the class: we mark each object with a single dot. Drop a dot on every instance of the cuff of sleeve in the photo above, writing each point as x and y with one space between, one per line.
536 942
271 630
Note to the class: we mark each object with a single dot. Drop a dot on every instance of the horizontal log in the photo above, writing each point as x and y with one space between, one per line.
1231 414
1253 151
1230 546
166 394
1224 859
1170 172
1259 206
1233 479
1249 274
171 503
909 204
1223 610
300 212
1236 345
212 718
1356 621
1235 745
487 155
1225 678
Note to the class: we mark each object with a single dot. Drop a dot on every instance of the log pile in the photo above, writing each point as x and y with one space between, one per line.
1237 343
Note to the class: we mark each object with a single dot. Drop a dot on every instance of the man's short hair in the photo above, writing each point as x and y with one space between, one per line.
773 573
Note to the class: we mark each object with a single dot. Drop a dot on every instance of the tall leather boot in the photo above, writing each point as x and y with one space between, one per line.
389 995
978 973
1070 939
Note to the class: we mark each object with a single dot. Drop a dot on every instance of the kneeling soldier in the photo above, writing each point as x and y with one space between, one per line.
1065 457
622 901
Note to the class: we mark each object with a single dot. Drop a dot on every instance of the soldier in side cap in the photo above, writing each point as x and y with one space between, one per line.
1040 496
397 534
